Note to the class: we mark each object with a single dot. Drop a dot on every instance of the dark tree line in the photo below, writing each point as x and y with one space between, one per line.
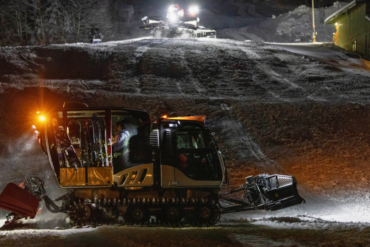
24 22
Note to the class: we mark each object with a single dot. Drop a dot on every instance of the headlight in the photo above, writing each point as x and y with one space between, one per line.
193 10
172 17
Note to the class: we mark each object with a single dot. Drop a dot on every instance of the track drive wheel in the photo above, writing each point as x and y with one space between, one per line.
215 217
137 214
173 214
80 214
209 215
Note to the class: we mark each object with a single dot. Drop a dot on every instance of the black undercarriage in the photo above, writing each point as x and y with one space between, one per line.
166 207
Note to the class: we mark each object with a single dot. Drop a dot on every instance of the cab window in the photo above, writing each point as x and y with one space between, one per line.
194 158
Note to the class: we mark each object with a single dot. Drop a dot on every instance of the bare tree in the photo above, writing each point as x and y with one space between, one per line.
37 17
14 20
82 9
48 21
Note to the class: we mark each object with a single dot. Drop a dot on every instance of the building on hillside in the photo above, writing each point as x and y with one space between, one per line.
352 24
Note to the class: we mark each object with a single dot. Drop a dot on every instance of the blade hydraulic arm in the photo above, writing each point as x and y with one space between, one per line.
23 202
269 192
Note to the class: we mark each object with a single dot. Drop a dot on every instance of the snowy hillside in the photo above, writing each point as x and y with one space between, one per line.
294 26
289 109
226 80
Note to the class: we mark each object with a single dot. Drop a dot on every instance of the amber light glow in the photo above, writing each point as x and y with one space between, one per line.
42 118
164 116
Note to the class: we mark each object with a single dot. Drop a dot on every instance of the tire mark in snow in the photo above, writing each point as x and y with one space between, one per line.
139 52
316 98
193 80
267 70
231 50
274 75
237 136
178 85
250 54
277 77
277 96
84 85
237 132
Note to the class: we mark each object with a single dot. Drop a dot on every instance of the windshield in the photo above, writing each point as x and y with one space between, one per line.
194 157
187 146
190 139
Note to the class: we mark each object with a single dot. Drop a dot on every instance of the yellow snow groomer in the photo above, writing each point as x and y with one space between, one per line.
118 165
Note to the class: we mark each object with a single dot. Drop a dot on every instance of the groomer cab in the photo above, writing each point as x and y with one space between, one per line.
81 145
189 156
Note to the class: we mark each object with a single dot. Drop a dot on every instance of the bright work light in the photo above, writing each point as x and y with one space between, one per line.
194 10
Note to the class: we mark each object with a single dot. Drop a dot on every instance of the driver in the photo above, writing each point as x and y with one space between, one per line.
120 141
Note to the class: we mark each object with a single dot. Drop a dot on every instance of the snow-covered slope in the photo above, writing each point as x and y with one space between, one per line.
303 112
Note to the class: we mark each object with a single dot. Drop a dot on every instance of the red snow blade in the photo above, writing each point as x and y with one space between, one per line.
19 201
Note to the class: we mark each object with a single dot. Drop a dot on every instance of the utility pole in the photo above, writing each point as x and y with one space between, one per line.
313 21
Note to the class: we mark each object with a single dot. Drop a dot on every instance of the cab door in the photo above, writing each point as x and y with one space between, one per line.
197 162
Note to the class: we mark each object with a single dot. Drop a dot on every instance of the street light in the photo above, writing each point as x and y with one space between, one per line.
313 21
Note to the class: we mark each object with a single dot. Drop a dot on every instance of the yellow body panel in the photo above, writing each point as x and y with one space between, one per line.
72 177
130 178
99 176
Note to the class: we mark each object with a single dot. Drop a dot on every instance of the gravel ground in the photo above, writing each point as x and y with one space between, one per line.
235 233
